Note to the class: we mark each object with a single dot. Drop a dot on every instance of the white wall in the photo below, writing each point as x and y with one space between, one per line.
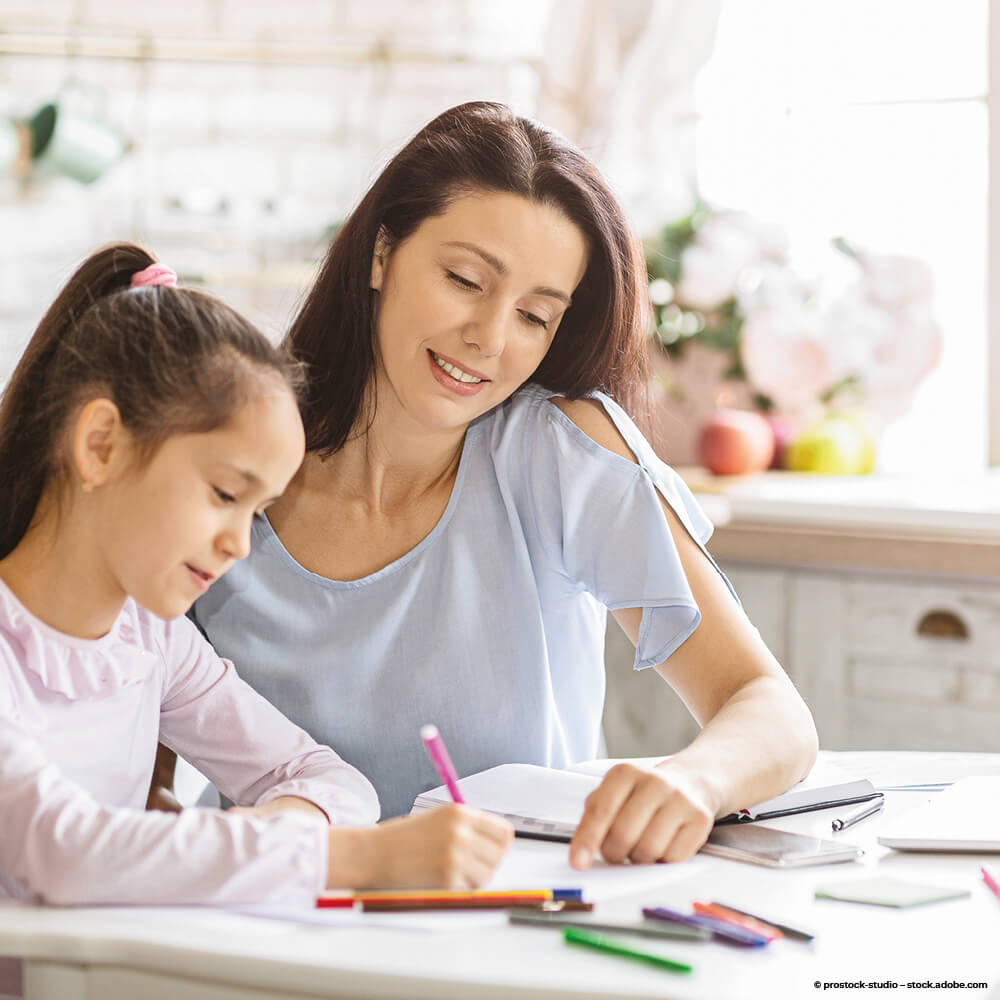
239 167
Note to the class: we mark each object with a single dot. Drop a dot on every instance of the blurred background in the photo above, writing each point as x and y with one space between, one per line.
812 184
231 136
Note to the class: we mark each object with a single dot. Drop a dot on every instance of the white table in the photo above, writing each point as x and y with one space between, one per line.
124 954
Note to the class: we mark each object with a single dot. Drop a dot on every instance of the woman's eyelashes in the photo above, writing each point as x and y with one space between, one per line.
471 286
463 282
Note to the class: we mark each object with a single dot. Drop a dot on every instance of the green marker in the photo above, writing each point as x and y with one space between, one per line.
574 935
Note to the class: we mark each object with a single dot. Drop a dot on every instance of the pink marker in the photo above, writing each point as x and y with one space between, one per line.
991 883
438 754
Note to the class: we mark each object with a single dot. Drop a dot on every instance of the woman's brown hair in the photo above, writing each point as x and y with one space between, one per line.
174 361
480 146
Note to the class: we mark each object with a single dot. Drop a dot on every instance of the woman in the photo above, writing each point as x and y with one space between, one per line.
474 497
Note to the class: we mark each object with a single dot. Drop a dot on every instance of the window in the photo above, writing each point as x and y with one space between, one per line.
869 119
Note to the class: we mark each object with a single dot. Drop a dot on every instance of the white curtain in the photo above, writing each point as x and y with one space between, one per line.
618 80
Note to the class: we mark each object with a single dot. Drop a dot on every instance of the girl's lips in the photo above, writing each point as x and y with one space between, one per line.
451 384
202 580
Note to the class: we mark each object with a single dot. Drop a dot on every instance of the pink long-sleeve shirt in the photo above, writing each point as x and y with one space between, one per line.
79 724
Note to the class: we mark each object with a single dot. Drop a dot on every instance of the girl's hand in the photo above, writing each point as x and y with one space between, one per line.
640 815
451 847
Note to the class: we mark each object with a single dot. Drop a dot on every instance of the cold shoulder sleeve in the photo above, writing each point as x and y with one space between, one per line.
598 517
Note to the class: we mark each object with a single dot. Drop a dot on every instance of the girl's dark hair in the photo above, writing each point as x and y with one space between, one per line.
480 146
173 361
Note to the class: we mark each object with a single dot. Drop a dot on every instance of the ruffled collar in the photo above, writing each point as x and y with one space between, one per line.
77 668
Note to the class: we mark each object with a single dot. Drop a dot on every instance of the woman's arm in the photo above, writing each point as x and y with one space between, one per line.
758 737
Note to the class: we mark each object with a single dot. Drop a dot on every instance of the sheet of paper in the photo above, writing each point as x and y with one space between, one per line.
916 769
540 865
884 891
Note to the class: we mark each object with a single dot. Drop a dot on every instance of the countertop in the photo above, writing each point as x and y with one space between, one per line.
921 524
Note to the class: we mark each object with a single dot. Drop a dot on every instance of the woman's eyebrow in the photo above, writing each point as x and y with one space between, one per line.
501 268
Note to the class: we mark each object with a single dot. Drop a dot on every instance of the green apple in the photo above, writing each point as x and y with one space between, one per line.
836 446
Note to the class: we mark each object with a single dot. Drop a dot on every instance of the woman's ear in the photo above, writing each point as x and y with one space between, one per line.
382 247
99 443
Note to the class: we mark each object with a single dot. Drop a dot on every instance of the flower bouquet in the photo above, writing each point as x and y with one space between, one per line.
822 358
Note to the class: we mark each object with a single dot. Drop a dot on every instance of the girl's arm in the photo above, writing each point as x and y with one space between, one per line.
58 844
242 743
757 737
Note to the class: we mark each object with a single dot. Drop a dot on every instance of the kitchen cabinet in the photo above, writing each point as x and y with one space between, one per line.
888 623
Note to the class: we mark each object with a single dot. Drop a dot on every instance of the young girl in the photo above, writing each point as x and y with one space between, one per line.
143 430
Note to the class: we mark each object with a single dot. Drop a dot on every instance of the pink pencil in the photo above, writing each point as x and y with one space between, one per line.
994 886
438 754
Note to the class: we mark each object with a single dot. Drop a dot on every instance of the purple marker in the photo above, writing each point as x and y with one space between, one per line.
438 754
722 930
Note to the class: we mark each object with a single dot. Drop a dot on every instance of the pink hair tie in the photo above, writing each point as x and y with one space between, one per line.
155 274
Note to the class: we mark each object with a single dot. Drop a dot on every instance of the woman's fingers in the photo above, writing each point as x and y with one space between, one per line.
641 816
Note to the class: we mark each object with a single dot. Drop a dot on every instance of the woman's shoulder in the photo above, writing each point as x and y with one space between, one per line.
594 423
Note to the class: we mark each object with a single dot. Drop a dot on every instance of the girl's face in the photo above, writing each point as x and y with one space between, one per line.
176 524
469 304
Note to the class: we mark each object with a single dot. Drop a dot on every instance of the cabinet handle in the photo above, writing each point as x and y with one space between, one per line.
940 624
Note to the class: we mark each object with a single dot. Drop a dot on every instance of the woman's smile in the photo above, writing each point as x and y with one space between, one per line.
454 377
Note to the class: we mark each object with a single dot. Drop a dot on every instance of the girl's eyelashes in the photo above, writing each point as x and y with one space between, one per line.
224 496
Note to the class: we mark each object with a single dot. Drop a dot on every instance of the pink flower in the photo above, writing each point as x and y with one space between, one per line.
783 356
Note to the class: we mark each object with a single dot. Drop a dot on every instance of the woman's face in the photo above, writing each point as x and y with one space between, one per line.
469 304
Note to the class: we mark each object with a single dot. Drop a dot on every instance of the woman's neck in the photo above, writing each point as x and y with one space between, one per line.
388 467
52 572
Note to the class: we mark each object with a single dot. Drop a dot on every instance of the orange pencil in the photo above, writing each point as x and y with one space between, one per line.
738 919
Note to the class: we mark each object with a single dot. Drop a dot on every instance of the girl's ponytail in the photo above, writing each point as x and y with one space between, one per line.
172 361
26 424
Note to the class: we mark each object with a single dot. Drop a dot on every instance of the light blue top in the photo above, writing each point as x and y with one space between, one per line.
492 627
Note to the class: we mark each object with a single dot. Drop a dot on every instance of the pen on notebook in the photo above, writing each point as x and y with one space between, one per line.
856 817
786 929
438 754
574 935
991 883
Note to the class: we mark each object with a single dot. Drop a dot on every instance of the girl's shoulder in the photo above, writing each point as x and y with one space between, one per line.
73 667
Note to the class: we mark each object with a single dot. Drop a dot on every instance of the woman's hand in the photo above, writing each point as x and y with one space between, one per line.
451 847
640 815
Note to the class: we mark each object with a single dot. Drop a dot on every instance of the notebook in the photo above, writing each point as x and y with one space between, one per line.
963 817
546 804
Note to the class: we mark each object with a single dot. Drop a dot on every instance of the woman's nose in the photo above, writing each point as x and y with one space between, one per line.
486 333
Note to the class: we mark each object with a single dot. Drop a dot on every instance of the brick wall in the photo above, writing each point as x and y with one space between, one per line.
244 158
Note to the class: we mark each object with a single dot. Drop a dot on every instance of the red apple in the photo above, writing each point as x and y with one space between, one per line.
736 442
785 431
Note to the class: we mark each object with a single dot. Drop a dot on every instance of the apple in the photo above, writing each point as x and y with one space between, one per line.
736 442
836 446
784 429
